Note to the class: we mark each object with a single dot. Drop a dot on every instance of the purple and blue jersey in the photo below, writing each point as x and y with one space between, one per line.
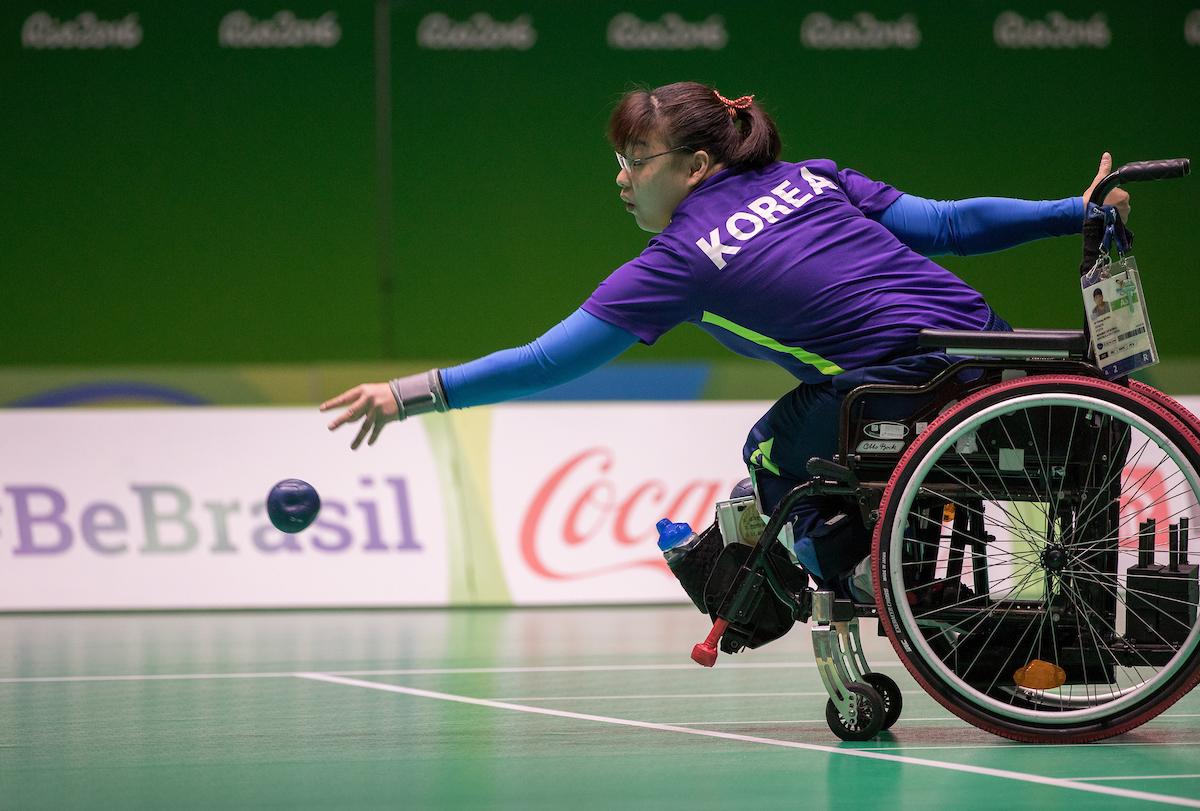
789 264
817 269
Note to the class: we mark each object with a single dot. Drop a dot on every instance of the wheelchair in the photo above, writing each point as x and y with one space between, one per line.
1017 518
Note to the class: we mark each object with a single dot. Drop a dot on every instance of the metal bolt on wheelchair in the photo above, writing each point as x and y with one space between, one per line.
1017 520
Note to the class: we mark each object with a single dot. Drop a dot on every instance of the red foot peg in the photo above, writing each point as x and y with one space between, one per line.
705 653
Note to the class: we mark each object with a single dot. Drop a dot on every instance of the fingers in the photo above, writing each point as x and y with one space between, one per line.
357 410
362 432
380 421
372 403
376 421
1102 171
348 396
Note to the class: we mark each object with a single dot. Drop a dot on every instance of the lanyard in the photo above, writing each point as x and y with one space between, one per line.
1111 232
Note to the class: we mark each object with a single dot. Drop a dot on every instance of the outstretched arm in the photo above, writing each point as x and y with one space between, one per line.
571 348
576 345
985 224
980 224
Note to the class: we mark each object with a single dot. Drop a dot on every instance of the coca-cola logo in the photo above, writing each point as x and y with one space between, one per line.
583 521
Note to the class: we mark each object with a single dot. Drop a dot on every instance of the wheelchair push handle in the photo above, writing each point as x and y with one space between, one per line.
1094 228
1140 170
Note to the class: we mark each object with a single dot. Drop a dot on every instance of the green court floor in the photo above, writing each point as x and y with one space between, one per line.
523 709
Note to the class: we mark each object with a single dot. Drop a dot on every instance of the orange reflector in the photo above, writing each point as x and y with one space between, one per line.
1039 675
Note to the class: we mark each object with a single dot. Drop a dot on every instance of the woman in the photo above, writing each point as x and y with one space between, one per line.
818 269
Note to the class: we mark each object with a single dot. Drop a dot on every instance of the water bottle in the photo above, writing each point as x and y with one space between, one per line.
675 540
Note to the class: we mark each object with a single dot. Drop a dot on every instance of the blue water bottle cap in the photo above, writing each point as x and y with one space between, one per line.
670 534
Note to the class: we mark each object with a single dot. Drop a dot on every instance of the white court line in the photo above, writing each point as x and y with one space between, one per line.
141 677
1054 782
692 666
550 669
1140 777
432 671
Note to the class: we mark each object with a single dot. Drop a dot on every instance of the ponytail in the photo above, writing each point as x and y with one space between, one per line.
760 144
735 132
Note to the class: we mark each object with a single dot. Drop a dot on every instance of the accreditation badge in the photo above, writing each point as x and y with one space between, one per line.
1116 315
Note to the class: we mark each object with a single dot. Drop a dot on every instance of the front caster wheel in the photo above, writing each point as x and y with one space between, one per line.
889 691
868 714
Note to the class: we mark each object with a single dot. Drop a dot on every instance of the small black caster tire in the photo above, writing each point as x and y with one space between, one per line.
889 691
870 715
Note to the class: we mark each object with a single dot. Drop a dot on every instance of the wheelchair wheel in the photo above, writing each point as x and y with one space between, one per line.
889 691
868 721
1018 559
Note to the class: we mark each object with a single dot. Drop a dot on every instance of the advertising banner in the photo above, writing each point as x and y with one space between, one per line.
517 505
161 508
577 490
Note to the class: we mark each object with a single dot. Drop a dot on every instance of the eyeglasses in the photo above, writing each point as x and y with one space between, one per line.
630 163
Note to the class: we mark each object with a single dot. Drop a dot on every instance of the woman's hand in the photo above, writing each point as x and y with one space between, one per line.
1118 198
374 401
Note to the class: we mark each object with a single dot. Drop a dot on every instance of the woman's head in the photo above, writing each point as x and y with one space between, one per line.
700 131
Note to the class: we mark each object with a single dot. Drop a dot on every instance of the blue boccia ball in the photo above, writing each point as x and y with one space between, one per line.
292 505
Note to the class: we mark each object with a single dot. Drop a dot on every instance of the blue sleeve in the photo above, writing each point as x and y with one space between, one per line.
571 348
978 225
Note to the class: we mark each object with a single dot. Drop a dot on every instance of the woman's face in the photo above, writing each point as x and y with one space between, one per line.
652 190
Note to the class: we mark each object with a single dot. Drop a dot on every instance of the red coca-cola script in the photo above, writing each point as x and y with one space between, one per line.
597 523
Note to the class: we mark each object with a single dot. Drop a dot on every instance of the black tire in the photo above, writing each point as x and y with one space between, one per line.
1075 550
869 719
889 691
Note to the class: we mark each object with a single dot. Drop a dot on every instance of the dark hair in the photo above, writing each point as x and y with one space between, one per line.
738 134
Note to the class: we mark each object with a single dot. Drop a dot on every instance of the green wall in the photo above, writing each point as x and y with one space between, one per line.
181 202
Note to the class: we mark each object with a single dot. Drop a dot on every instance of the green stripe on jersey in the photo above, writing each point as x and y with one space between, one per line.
824 366
762 457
